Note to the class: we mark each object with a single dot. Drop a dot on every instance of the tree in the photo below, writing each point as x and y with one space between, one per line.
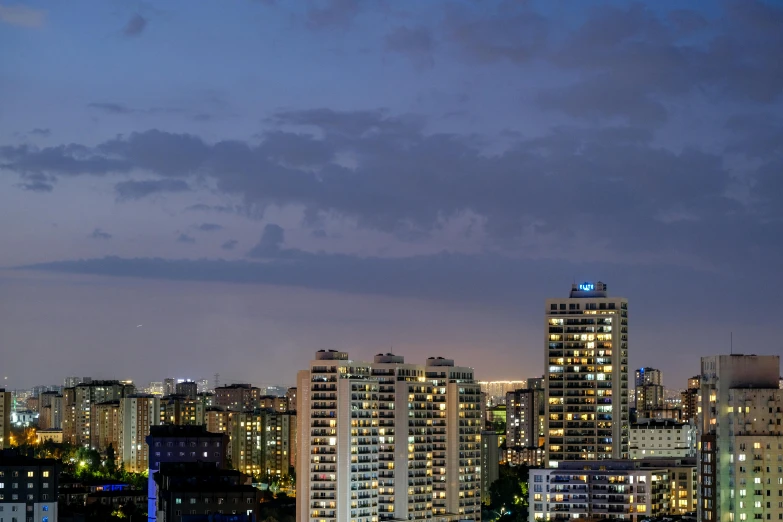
508 494
111 462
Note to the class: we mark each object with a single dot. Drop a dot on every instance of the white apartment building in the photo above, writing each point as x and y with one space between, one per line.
387 440
586 382
662 438
137 413
616 489
740 438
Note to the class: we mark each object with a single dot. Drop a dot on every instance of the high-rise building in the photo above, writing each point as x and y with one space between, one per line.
5 419
414 427
72 382
180 409
278 442
586 405
237 397
740 438
490 461
203 386
523 424
169 386
663 438
690 400
247 450
155 388
290 397
137 413
106 426
649 392
78 403
497 390
217 420
187 388
51 406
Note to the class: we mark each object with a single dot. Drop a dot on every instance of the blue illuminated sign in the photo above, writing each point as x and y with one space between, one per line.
587 287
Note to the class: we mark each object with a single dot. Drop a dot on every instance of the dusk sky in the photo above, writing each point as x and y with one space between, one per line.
197 187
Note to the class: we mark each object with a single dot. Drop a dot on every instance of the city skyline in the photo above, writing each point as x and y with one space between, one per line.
205 190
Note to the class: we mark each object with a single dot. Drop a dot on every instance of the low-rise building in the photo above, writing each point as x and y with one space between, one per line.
52 435
185 491
662 438
623 489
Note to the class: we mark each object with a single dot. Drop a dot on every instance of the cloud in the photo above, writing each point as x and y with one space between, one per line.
184 238
135 26
100 234
111 108
130 190
41 132
209 227
22 16
330 14
230 244
416 43
36 186
511 31
271 242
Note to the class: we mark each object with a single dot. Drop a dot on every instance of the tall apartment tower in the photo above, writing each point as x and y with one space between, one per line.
740 438
690 400
649 391
586 385
338 417
417 428
5 419
137 413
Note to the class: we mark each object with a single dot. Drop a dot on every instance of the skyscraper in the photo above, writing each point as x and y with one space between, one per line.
137 413
586 401
741 438
414 427
649 391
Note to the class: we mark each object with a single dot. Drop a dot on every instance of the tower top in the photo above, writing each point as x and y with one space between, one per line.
588 289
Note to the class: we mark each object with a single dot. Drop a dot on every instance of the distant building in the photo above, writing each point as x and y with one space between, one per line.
663 438
217 420
188 389
29 488
524 425
181 410
186 444
78 402
52 435
5 419
72 382
490 462
51 410
155 388
137 413
237 397
273 402
196 490
649 391
496 390
290 396
169 386
105 430
689 400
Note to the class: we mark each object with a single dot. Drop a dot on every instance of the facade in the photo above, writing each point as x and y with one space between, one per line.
663 438
586 384
187 490
136 413
53 435
614 489
490 462
689 400
217 420
187 388
5 419
106 426
172 443
524 424
28 488
51 408
237 397
78 402
740 438
181 410
290 397
649 392
414 427
278 442
273 402
246 444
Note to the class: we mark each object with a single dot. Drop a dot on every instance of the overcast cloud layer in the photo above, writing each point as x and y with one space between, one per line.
459 154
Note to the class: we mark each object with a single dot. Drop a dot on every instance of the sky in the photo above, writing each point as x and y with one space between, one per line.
190 188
